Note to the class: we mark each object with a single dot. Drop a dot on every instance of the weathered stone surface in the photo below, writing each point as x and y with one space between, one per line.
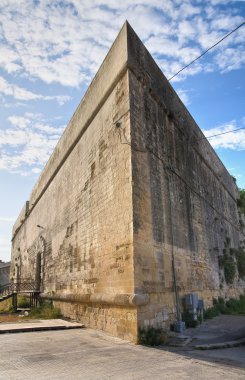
129 185
4 272
184 200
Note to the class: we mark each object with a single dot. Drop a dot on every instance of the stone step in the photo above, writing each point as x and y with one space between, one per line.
39 325
3 298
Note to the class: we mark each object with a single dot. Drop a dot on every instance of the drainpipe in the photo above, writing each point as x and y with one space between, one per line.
172 251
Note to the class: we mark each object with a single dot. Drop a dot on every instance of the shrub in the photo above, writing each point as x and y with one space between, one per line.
240 256
211 312
229 268
6 306
232 306
219 304
221 301
45 311
242 304
227 242
188 319
23 301
241 201
152 336
242 225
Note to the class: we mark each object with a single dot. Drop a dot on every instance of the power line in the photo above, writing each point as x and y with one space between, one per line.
171 169
211 47
218 134
202 138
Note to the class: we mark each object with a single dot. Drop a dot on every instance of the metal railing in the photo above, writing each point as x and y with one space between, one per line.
18 287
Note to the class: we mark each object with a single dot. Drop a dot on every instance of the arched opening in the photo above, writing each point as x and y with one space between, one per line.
38 271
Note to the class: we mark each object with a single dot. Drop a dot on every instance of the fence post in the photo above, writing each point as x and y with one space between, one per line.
14 302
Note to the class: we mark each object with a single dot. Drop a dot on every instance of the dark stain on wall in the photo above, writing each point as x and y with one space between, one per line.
155 168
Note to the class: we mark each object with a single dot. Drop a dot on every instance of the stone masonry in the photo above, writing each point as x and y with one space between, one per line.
4 272
131 186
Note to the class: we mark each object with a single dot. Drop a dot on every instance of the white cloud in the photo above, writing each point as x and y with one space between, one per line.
4 242
183 94
36 170
16 91
65 42
5 247
226 23
161 45
33 122
35 151
13 137
8 59
8 219
232 140
28 144
47 129
235 172
21 93
61 99
19 121
233 59
188 10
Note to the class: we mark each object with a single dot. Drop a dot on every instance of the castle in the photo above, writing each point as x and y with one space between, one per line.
134 209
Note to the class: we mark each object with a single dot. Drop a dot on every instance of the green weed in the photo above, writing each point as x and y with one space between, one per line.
232 306
45 311
152 336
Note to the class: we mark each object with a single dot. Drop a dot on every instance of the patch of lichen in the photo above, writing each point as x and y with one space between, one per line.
241 201
232 261
229 266
240 257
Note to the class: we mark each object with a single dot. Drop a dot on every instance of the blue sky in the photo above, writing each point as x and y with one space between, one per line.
50 50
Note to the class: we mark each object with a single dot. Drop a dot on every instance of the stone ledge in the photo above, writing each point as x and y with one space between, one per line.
39 325
131 300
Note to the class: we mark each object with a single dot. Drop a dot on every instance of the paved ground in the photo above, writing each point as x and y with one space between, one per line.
217 330
221 330
87 354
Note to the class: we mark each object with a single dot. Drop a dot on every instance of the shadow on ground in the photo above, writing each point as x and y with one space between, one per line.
219 330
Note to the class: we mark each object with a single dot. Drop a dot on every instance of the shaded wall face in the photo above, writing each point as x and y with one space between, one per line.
85 242
4 274
182 198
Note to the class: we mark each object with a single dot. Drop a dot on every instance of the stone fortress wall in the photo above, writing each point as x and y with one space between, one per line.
83 203
130 184
184 200
4 273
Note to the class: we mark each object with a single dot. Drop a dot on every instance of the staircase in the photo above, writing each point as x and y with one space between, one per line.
14 288
6 291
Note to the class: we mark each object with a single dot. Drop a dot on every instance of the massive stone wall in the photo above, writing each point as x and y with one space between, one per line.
130 185
4 273
184 200
82 251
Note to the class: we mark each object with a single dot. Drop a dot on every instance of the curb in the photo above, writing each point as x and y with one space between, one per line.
179 341
41 328
234 343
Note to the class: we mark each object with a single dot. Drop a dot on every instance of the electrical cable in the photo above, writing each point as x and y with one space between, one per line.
219 134
128 143
203 138
206 51
171 169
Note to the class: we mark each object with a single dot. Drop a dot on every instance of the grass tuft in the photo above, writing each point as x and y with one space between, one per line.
45 311
232 306
152 336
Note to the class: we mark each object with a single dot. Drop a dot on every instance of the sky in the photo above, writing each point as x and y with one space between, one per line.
50 51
